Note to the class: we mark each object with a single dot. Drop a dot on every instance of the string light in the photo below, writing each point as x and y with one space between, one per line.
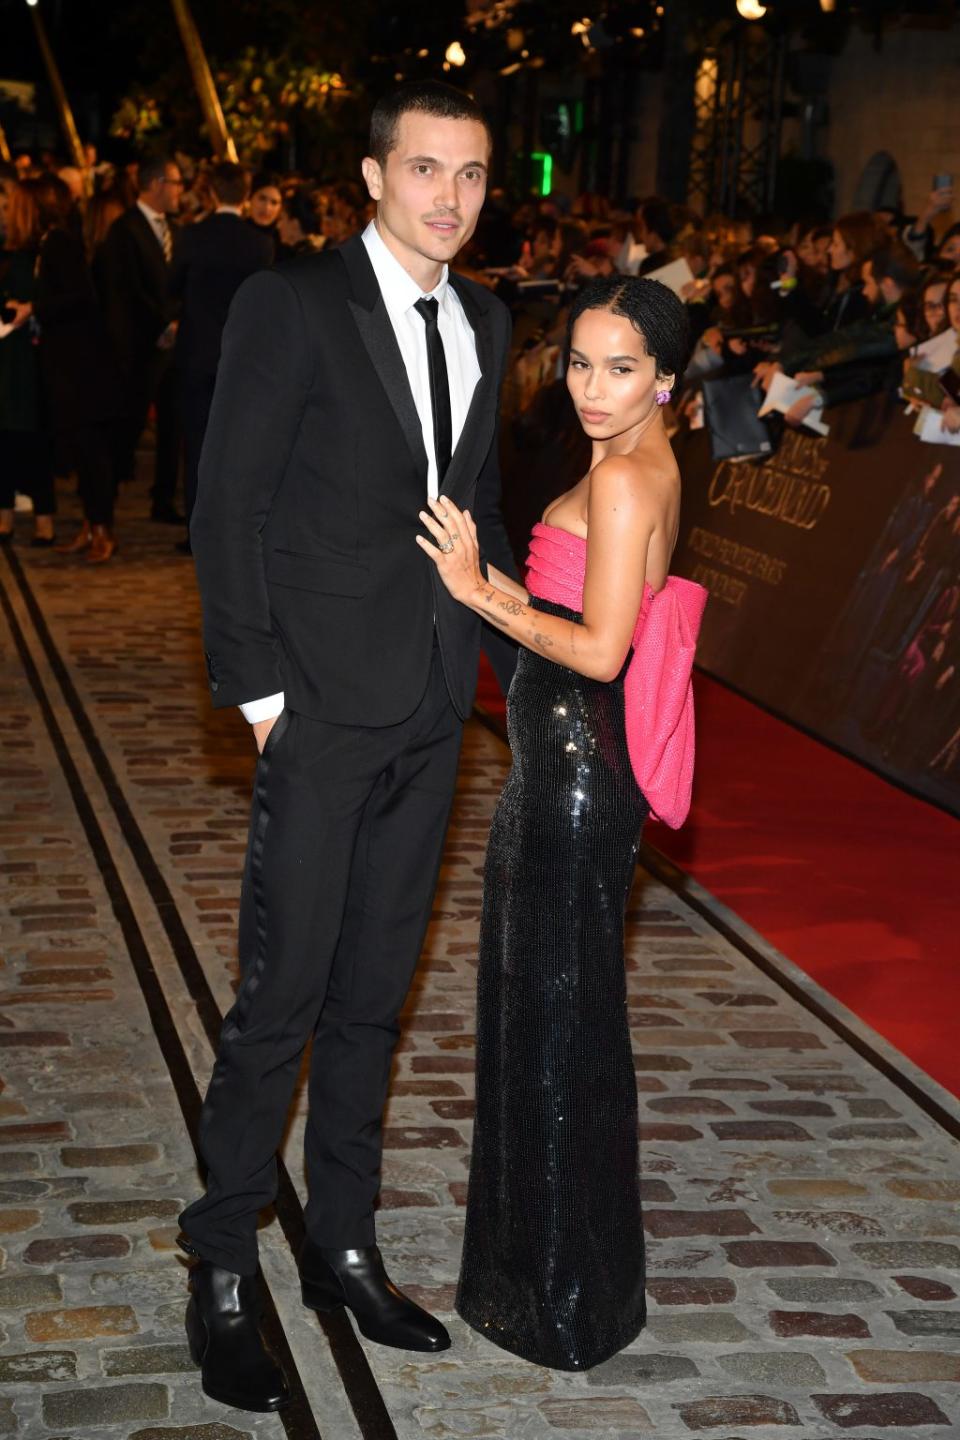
456 55
751 9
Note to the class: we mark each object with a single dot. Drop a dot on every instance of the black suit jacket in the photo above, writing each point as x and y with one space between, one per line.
312 475
133 274
211 260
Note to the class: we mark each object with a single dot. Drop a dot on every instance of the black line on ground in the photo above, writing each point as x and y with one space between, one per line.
353 1367
676 879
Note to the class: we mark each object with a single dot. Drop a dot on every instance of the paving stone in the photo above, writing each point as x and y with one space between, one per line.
81 1322
926 1322
68 1248
38 1365
923 1289
715 1412
630 1368
86 1157
8 1420
759 1130
838 1222
874 1130
601 1412
822 1084
664 1223
147 1360
826 1324
779 1367
945 1192
191 1432
22 1290
887 1367
821 1289
776 1040
106 1405
703 1290
894 1409
12 1222
924 1254
122 1212
766 1254
712 1327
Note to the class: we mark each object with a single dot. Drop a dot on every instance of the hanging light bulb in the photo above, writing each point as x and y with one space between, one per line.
828 6
751 9
456 55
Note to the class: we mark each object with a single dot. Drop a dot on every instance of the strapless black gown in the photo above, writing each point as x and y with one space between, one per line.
553 1261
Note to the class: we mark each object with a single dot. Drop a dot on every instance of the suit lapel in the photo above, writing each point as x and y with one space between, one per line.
371 318
481 416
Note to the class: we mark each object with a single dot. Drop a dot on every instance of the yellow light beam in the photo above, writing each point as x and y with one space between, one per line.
220 137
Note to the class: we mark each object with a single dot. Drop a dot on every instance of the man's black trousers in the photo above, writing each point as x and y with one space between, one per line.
346 839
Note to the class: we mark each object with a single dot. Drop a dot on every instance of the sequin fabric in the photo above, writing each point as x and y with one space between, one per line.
553 1263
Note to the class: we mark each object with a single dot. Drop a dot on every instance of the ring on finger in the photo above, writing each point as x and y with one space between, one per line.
447 546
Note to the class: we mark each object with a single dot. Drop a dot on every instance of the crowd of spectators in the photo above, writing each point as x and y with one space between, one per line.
97 280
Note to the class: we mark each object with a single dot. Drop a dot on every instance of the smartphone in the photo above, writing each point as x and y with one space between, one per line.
950 385
942 182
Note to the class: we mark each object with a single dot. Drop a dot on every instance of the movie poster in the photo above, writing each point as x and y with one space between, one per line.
833 574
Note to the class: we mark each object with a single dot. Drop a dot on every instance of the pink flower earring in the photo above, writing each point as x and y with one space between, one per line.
663 396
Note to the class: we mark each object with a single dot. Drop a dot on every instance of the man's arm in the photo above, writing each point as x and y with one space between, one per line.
262 383
495 548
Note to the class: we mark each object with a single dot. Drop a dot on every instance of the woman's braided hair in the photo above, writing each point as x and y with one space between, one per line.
658 316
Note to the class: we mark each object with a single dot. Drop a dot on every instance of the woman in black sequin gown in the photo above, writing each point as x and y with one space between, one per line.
553 1265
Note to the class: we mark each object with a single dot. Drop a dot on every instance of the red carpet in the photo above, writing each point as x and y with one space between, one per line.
853 880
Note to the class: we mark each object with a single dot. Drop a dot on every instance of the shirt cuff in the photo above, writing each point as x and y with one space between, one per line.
265 709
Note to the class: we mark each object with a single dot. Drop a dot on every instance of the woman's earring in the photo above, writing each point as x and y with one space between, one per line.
663 396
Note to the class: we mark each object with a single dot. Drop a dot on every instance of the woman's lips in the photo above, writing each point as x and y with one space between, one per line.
594 417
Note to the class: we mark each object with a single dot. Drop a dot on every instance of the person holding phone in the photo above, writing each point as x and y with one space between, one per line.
918 235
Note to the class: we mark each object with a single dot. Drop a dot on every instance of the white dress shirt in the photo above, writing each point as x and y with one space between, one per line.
400 294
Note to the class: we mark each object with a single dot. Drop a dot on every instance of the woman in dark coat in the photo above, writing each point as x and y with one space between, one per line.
25 461
81 380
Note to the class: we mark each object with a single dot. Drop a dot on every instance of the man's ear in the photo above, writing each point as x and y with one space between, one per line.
373 177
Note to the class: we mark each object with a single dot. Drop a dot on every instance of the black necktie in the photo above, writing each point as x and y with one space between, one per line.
439 388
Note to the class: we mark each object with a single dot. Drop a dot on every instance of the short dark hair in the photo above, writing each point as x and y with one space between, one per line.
266 180
151 168
895 263
658 316
228 182
657 217
428 97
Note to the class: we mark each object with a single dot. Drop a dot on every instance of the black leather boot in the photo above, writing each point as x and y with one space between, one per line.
358 1280
222 1329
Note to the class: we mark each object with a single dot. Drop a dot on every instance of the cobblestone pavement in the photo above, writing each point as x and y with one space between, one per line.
801 1210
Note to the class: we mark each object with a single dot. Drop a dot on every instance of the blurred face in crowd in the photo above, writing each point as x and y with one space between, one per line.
164 193
430 190
902 333
748 278
949 251
935 306
840 256
953 305
871 286
265 205
724 291
611 379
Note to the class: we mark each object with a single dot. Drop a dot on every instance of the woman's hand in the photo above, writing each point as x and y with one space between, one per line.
457 551
950 417
22 310
800 409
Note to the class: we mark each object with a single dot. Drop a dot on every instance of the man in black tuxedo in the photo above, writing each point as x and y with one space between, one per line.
141 316
352 385
210 261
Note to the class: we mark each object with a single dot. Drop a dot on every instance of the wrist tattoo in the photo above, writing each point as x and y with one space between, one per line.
512 607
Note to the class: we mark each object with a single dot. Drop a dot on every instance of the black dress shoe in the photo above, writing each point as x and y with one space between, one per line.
222 1331
358 1280
167 515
